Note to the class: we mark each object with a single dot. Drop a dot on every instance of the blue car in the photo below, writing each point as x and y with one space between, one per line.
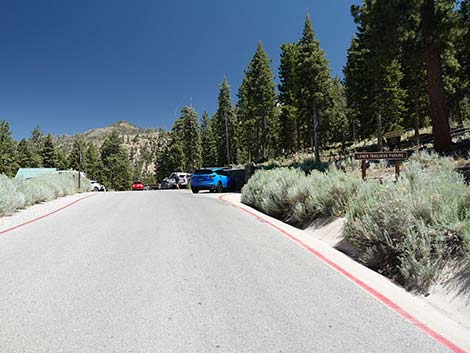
212 179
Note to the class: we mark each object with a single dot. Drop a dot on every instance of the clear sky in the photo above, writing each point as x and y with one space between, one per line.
69 66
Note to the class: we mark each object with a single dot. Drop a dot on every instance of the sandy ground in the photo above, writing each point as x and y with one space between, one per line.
450 295
38 210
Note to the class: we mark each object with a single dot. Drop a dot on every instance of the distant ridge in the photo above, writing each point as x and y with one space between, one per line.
140 143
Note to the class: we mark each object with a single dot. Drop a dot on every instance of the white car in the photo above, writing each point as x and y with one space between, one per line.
95 186
183 178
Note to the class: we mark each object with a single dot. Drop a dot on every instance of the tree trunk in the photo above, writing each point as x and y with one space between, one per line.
354 131
315 138
439 113
417 121
458 115
265 138
227 138
379 132
257 143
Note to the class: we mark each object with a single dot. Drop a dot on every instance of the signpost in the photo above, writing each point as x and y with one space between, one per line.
397 156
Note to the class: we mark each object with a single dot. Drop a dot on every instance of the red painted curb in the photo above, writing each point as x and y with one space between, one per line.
382 298
45 215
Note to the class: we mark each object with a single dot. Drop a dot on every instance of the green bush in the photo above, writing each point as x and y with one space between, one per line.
409 229
18 193
299 199
406 230
267 190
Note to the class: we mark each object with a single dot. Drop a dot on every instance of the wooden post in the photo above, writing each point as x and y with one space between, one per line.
397 169
363 168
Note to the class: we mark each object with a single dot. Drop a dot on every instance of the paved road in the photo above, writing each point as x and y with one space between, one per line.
168 271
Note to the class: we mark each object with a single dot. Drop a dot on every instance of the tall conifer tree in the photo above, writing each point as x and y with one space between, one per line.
224 126
208 142
314 80
8 163
186 134
116 166
24 156
48 153
256 113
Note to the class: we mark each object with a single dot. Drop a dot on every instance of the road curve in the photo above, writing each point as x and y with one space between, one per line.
168 271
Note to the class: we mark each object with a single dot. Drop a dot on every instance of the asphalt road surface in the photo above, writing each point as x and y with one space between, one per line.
168 271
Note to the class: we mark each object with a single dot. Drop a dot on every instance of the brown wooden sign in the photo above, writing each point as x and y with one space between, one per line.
393 156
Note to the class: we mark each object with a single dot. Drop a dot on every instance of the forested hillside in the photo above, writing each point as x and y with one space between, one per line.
115 155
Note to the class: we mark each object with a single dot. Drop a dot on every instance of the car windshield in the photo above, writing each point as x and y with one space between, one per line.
203 171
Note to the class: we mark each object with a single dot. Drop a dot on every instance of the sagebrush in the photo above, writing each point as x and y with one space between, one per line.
18 193
406 230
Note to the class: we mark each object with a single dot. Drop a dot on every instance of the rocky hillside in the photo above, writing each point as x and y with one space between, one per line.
140 143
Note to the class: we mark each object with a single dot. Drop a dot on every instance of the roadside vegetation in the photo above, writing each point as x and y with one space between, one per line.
18 193
407 230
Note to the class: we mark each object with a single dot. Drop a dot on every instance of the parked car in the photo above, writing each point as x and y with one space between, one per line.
168 184
95 186
183 179
212 179
137 185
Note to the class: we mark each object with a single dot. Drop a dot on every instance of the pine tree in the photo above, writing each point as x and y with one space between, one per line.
314 80
463 55
290 123
116 166
256 105
357 88
337 129
224 126
93 166
169 158
23 154
8 163
62 160
48 153
376 52
77 156
186 134
408 58
37 143
208 141
432 51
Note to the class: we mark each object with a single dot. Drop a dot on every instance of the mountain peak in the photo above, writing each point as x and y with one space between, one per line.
124 124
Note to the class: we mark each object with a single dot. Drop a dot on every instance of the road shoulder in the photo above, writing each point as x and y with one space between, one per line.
443 328
39 211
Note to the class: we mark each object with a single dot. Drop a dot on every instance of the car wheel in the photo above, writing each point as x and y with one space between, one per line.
96 189
195 191
220 188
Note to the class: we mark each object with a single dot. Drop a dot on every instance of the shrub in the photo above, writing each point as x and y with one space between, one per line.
406 230
10 197
409 229
19 193
267 190
299 199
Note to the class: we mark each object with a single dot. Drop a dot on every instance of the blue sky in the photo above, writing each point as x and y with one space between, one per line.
69 66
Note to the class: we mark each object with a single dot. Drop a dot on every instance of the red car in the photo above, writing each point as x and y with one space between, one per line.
137 185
